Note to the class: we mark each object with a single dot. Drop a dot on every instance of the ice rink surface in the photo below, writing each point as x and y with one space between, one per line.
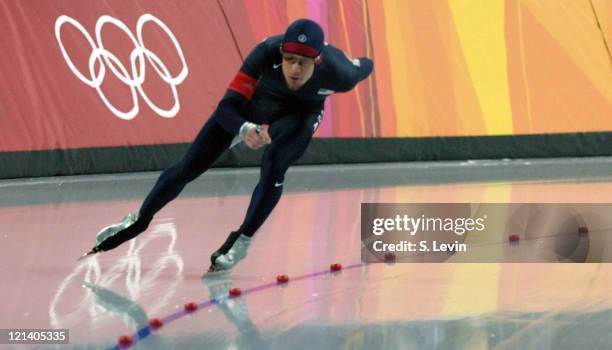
45 224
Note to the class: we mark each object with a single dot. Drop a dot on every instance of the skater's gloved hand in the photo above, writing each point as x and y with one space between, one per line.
263 132
256 136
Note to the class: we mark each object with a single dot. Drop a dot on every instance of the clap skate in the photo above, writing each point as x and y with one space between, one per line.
231 252
110 231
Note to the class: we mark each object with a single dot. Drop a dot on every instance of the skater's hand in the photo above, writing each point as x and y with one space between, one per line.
255 140
264 134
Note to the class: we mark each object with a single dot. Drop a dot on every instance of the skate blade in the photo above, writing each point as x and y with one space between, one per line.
215 273
88 254
215 268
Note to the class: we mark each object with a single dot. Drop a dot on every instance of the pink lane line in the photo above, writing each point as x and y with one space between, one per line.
146 331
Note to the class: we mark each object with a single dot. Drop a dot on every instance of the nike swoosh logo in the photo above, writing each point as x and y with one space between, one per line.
276 184
276 65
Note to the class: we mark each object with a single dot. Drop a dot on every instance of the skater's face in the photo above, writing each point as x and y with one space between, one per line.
297 70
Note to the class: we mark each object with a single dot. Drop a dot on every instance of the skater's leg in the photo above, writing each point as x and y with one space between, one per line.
205 150
290 138
293 134
210 143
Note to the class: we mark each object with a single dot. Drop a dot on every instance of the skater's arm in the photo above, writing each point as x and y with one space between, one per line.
254 136
228 113
352 73
241 90
349 71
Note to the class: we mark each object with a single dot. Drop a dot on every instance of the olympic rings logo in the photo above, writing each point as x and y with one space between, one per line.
134 78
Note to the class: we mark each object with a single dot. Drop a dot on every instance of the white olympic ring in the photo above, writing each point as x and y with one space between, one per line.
106 58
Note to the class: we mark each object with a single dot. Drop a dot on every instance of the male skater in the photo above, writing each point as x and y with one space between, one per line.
276 99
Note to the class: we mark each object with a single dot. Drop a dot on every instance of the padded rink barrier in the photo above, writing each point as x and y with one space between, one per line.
452 80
